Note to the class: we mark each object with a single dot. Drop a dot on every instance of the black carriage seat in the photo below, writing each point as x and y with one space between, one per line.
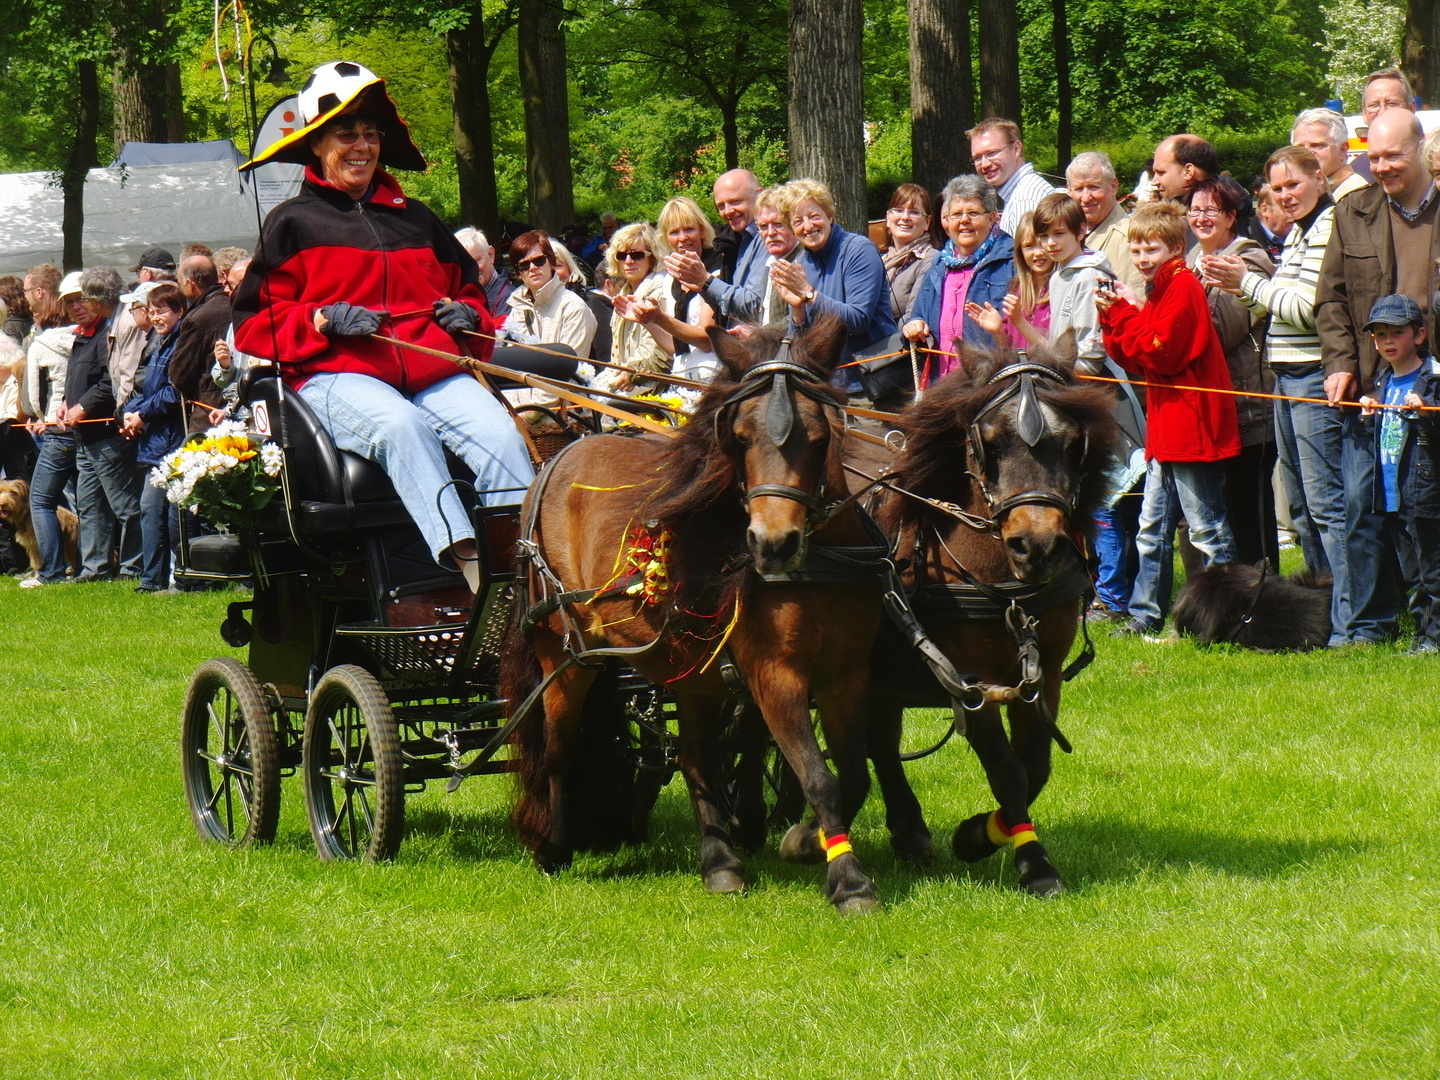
331 490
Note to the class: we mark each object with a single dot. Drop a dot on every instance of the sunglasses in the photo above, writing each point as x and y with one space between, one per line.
628 255
349 136
531 264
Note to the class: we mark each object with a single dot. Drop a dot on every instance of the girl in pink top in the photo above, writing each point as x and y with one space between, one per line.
1025 318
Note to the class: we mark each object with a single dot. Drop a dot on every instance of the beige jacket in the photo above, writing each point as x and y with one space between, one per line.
1112 239
553 316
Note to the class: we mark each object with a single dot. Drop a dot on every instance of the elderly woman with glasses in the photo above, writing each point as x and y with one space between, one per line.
974 267
351 259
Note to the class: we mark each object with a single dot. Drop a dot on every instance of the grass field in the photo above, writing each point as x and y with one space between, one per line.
1252 894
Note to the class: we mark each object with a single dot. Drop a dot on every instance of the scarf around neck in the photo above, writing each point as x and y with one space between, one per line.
954 261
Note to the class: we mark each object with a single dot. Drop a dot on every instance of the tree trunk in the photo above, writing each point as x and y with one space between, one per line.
1064 108
1422 49
999 60
469 56
827 118
942 90
82 160
730 130
547 114
148 103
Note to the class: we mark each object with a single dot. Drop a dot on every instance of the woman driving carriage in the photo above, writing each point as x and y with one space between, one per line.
351 256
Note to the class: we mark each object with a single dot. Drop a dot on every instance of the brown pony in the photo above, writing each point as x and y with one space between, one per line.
654 544
1013 455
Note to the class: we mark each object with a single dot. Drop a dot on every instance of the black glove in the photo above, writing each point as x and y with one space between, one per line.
351 320
456 317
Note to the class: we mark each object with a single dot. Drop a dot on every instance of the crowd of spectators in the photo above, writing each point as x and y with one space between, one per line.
1266 347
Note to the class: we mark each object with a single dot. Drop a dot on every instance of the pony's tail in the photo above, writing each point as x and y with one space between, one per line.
520 674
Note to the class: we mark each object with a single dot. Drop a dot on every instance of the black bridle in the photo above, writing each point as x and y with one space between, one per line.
1032 426
776 378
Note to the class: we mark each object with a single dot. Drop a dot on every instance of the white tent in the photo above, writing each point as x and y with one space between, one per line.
127 210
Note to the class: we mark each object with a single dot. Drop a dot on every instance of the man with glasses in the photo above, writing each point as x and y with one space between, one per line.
999 157
1322 132
1384 241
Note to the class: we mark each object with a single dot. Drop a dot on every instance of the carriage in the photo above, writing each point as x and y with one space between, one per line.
371 670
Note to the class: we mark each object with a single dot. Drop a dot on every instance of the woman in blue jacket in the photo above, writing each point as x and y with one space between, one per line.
975 266
836 273
153 418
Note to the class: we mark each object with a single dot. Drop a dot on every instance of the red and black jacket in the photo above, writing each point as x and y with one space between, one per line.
389 253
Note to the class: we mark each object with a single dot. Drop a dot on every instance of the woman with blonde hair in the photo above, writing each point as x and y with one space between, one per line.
683 326
630 259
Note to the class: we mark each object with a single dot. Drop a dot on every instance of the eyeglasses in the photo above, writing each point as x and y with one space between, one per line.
627 256
990 155
1211 212
349 136
531 264
771 226
914 211
967 215
1389 103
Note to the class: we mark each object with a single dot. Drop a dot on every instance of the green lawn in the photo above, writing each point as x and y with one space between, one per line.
1251 895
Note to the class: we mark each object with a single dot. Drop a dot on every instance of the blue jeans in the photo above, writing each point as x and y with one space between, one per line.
159 532
1374 576
1115 557
54 468
109 503
1309 438
1197 490
404 436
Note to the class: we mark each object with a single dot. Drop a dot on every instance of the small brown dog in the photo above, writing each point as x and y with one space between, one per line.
15 511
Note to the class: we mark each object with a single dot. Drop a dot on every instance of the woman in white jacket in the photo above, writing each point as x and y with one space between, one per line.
542 310
639 347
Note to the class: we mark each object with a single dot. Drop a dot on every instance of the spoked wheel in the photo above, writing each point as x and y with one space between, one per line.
354 774
230 756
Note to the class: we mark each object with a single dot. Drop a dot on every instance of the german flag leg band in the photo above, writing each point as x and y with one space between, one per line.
835 846
1000 835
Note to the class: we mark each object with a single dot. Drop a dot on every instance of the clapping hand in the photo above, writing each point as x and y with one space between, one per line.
987 317
687 269
790 281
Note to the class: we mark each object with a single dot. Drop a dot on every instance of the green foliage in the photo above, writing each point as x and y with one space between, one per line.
1362 36
1250 898
1154 67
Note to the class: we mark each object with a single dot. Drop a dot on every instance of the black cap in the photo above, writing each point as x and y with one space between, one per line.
155 259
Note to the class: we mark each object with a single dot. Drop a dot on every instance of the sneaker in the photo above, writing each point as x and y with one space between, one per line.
1422 647
1132 628
31 583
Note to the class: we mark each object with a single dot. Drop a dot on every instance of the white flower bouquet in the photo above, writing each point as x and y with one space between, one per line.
226 474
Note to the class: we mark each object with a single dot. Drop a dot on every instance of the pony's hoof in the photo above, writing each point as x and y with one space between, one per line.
917 848
552 860
1038 876
801 844
724 881
971 843
859 905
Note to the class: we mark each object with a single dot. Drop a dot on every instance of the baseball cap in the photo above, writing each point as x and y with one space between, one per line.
70 286
1396 309
141 292
155 258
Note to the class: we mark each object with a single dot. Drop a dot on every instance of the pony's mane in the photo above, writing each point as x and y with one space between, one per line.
934 462
698 494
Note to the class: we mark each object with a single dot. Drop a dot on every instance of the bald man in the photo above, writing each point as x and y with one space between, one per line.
737 295
1384 241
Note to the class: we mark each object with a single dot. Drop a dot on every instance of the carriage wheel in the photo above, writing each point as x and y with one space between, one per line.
230 756
354 775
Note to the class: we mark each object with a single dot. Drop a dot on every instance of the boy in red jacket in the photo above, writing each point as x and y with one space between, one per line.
1168 340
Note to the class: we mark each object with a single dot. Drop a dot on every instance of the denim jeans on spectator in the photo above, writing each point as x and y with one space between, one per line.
54 468
110 504
373 419
159 529
1417 546
1115 557
1309 438
1373 573
1195 489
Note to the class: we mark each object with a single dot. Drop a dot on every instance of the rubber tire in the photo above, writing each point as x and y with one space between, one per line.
246 729
349 702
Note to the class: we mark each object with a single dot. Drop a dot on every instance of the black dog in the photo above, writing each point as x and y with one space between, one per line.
1288 613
